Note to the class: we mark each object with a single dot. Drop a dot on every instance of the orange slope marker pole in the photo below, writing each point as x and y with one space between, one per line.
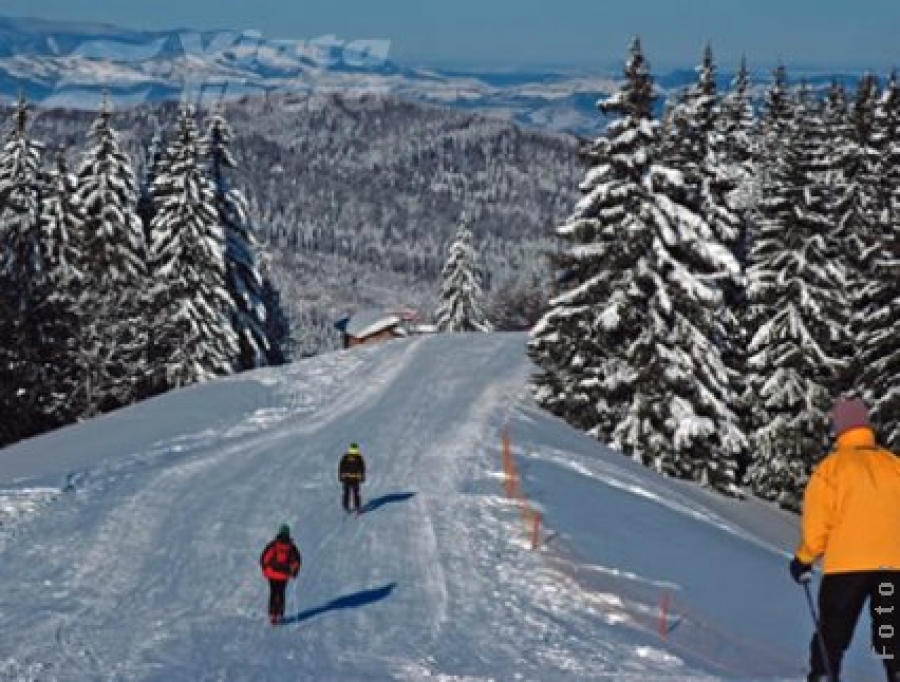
530 517
664 615
535 530
509 468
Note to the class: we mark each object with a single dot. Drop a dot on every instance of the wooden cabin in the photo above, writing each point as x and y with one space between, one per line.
370 326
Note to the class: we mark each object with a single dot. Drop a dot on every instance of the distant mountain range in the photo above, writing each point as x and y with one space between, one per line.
72 64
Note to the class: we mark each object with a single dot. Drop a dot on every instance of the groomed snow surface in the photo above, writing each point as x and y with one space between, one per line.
129 544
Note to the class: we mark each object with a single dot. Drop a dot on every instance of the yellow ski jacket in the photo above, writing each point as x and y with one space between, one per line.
851 507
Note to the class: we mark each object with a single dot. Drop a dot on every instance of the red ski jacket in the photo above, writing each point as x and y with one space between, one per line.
280 560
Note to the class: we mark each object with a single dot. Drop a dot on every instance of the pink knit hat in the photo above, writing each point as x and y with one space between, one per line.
849 413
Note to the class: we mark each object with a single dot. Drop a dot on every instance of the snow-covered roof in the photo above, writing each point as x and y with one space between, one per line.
369 322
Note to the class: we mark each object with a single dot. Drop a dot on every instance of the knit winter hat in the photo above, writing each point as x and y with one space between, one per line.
849 413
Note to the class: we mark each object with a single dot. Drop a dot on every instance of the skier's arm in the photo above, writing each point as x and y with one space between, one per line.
818 512
362 470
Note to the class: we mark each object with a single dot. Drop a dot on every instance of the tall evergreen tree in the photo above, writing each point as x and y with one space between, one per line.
65 309
794 303
192 339
843 171
734 157
877 325
21 271
115 335
738 145
242 276
836 115
578 345
625 349
154 160
697 149
776 123
459 309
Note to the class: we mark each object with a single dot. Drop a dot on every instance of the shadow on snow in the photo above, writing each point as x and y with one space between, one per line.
376 502
349 601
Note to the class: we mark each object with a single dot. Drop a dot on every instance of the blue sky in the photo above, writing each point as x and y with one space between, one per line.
502 33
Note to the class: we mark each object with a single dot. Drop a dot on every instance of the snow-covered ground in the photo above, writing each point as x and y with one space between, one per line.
129 544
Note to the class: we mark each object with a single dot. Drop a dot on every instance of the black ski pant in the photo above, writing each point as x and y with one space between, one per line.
351 488
276 597
842 597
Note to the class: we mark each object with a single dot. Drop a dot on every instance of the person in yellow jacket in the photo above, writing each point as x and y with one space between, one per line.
352 474
851 520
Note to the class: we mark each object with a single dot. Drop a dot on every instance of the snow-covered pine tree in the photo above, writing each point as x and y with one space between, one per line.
738 145
862 113
776 123
21 275
67 315
696 264
878 327
115 333
794 290
153 163
242 276
192 339
688 129
578 345
736 151
773 127
459 308
836 117
842 149
695 146
860 226
624 350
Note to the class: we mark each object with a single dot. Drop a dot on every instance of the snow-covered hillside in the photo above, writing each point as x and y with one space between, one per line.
129 544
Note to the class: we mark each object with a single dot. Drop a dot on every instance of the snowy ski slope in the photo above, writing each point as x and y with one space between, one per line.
129 544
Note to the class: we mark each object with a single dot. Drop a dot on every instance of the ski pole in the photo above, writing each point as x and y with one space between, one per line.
822 650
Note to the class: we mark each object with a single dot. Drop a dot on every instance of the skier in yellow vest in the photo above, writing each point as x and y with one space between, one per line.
352 473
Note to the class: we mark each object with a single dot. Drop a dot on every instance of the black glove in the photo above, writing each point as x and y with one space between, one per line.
800 572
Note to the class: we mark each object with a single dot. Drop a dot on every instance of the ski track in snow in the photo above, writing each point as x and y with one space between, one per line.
152 573
94 628
163 521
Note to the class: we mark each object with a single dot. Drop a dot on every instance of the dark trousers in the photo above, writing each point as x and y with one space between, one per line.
351 488
276 597
842 597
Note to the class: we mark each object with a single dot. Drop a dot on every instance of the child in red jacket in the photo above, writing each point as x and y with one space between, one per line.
280 561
